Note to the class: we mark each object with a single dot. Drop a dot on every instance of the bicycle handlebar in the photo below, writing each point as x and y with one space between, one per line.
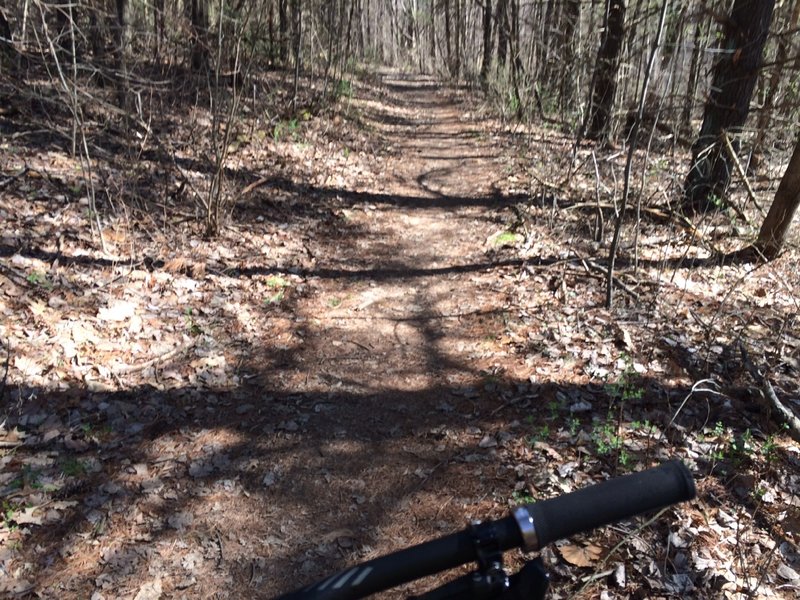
607 502
531 527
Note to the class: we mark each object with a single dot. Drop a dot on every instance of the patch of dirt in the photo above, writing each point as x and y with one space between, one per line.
397 334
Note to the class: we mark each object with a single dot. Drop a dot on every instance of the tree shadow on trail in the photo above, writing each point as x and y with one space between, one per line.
263 487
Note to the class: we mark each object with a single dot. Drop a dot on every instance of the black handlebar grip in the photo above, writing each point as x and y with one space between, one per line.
610 501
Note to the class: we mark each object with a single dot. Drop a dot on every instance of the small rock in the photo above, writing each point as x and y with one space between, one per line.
244 409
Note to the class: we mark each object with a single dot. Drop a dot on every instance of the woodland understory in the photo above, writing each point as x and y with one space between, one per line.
251 339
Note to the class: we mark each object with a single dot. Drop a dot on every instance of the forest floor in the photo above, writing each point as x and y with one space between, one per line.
402 329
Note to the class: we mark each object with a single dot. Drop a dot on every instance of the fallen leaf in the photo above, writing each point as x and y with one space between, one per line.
336 534
25 517
117 311
28 366
149 591
581 556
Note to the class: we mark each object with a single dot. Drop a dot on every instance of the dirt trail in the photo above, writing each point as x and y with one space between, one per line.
354 365
396 304
345 419
389 348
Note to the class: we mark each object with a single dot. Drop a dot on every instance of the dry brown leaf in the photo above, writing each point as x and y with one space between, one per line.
37 308
28 366
581 556
338 533
25 516
119 310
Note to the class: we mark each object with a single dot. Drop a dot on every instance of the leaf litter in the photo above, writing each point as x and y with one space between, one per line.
205 416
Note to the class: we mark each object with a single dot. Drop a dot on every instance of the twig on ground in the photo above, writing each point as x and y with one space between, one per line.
125 369
249 188
768 392
5 182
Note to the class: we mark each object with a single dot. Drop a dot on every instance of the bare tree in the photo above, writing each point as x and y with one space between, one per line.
780 62
486 22
775 228
728 104
605 75
198 16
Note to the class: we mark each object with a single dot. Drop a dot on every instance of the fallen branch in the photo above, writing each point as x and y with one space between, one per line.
249 188
125 369
768 393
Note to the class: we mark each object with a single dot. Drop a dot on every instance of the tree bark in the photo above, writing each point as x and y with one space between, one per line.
159 26
700 35
486 63
297 28
572 15
448 42
781 56
122 48
735 76
459 39
502 32
775 228
199 20
283 31
605 79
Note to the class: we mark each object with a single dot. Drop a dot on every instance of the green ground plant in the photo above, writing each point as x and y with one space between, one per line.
72 467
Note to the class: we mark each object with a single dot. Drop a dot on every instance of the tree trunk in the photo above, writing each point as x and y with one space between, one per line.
549 56
432 49
448 43
97 34
122 43
283 31
781 56
199 20
297 29
5 35
775 228
486 63
459 39
735 76
349 36
159 26
502 32
700 35
605 79
572 15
